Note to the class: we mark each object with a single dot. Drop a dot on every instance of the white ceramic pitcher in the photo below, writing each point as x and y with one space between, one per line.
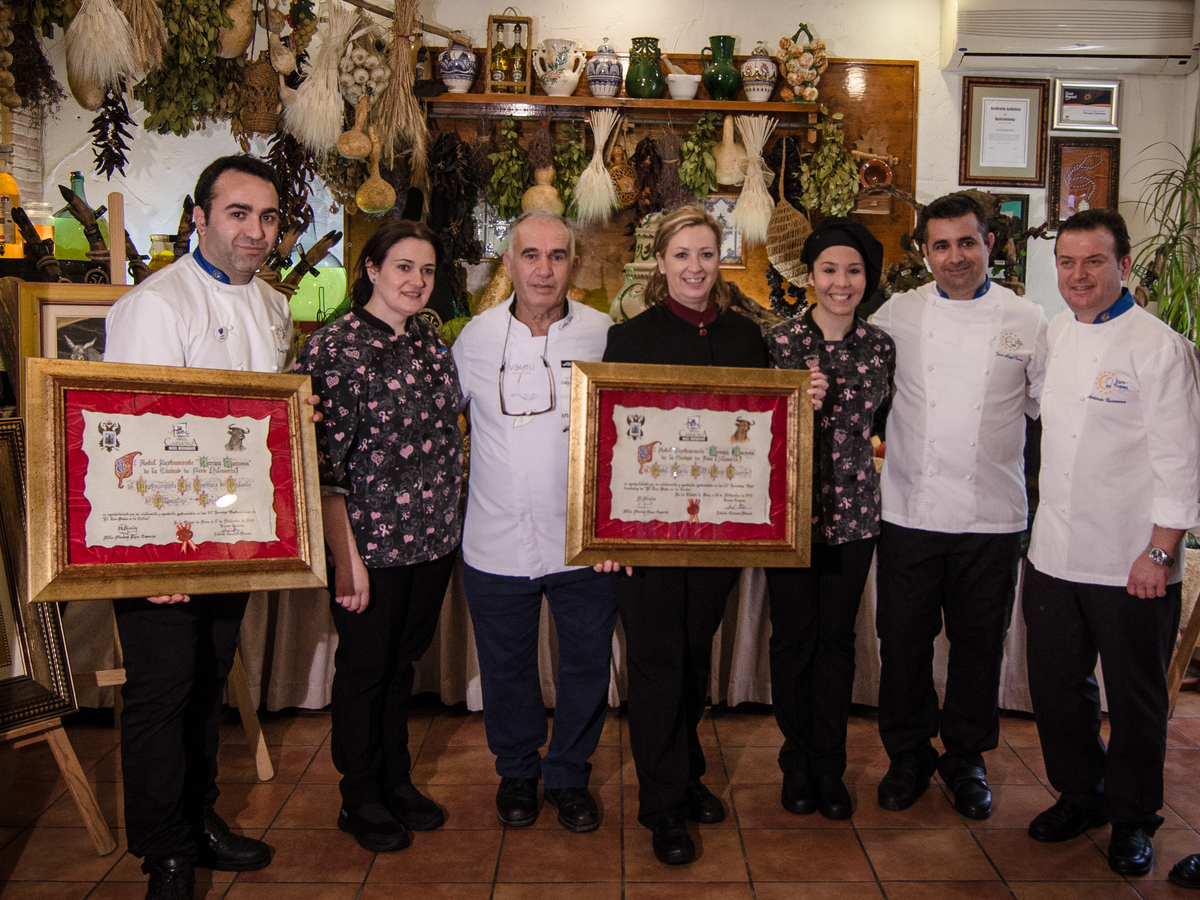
558 63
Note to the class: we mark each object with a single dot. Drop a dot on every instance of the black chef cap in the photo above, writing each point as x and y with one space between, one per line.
844 232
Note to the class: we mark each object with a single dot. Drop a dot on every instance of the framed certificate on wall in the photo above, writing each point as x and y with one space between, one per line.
689 465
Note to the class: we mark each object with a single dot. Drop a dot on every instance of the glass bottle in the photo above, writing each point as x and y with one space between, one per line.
69 242
162 251
518 60
11 244
501 62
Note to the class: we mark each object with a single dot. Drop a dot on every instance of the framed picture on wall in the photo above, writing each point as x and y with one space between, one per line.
1015 206
1003 138
721 207
1087 105
1084 174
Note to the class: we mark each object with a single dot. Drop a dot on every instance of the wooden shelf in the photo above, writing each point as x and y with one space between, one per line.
533 106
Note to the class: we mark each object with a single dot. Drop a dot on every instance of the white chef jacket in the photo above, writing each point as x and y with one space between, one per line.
1120 446
517 496
182 316
967 373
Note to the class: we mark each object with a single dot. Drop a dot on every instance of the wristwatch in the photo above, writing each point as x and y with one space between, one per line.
1159 557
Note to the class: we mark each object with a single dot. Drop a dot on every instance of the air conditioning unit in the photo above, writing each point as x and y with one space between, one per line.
1084 37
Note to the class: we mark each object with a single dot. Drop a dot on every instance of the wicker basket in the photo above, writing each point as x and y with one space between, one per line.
260 96
786 233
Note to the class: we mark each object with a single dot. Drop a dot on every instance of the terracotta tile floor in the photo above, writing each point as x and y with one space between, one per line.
760 851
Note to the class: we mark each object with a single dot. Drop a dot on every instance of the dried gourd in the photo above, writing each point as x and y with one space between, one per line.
375 196
354 144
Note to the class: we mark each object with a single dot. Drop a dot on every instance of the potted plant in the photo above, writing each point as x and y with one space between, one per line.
1168 262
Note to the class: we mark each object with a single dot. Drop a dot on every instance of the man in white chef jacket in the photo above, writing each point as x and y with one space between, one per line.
514 364
1120 484
970 356
206 310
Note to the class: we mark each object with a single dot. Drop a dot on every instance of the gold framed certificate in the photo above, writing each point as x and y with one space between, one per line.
689 466
151 480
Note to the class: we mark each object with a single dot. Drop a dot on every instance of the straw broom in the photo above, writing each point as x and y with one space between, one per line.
595 195
754 207
149 32
100 45
398 114
314 117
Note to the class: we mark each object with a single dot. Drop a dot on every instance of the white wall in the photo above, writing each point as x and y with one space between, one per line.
163 169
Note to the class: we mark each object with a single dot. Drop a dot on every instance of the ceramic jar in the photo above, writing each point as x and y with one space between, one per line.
558 63
630 300
721 77
624 178
457 67
758 75
645 77
604 71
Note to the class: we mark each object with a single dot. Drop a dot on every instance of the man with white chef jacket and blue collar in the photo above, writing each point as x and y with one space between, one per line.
970 356
514 366
1120 485
206 310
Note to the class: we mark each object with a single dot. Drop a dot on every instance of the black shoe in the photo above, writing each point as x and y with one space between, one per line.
1186 872
797 795
576 808
170 879
374 827
414 810
833 800
972 797
1063 821
1130 851
672 844
903 784
703 805
219 848
516 802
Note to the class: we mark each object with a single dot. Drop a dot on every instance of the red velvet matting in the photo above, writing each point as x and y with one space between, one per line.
133 403
608 527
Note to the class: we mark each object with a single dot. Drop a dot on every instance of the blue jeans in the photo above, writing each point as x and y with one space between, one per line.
505 612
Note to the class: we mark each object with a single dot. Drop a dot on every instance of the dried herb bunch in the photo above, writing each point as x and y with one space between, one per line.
194 85
829 176
42 15
697 165
649 167
570 159
482 149
510 172
109 134
454 194
343 176
296 168
541 148
33 75
672 194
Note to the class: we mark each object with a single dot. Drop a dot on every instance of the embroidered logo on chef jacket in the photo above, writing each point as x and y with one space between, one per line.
1110 387
221 333
1010 343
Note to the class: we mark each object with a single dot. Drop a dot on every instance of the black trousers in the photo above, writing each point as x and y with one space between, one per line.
812 654
373 675
1068 624
969 581
177 658
670 616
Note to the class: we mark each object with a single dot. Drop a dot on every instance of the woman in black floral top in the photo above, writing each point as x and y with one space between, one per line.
813 610
390 456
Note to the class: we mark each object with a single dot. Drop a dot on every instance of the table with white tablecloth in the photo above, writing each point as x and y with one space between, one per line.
288 642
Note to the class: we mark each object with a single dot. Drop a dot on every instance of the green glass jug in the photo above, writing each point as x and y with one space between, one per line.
645 78
721 77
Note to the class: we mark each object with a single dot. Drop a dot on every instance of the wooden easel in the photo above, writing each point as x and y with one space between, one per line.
52 732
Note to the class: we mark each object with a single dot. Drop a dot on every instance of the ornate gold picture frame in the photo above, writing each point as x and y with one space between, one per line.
155 480
689 466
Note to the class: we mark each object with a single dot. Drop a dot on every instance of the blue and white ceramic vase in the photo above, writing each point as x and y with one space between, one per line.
457 67
604 71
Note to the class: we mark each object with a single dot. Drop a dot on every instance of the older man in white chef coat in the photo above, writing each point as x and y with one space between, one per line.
205 311
1120 484
514 364
969 363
